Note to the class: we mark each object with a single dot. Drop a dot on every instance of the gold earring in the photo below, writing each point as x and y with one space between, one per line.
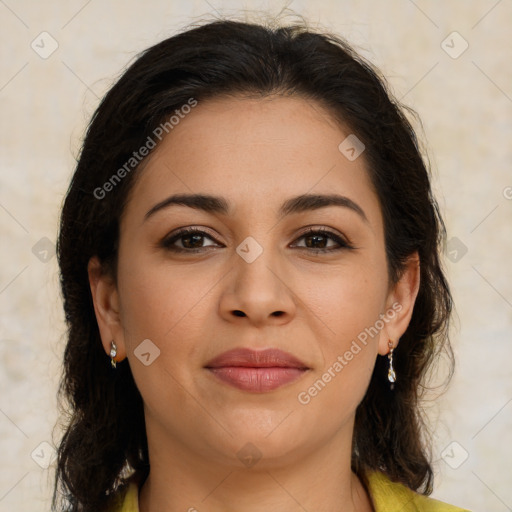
113 353
391 371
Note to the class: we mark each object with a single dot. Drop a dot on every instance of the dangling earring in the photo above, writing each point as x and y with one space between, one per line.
113 353
391 371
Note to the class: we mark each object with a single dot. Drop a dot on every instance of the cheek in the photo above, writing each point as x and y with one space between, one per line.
347 300
171 305
167 307
160 301
348 303
349 306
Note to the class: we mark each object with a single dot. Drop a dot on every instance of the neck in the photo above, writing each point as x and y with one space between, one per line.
182 480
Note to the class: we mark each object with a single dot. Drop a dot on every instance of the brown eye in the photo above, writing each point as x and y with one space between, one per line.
317 240
191 241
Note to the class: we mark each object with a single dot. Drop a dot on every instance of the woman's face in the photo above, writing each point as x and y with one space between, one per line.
253 278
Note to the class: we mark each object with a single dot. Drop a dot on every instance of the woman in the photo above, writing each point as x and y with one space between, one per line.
249 253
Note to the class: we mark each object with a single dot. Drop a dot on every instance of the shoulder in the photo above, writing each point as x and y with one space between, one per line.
387 495
128 499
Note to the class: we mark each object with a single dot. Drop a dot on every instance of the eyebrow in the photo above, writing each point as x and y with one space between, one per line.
297 204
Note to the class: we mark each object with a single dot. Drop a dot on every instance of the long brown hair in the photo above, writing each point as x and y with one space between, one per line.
105 435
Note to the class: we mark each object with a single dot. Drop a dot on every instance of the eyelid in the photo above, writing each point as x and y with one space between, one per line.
167 241
342 240
325 230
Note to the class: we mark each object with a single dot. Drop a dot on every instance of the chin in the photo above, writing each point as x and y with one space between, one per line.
266 437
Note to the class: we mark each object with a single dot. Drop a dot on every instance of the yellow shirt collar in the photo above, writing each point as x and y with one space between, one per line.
387 496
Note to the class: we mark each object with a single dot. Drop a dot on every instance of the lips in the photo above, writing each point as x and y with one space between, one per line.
257 371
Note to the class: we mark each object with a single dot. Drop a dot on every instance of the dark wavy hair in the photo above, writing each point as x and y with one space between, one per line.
104 441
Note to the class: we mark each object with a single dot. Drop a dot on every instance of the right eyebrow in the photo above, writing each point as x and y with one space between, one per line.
207 203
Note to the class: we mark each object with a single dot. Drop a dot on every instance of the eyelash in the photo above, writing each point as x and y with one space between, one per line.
167 243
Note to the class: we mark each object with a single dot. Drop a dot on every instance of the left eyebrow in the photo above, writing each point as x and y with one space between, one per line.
297 204
306 202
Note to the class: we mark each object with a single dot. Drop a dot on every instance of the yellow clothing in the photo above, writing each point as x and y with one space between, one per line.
387 496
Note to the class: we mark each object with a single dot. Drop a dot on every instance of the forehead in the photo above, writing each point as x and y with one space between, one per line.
255 152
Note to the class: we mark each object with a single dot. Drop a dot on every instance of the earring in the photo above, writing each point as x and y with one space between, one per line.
113 353
391 371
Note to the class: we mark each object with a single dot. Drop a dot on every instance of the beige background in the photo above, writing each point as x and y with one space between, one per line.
466 107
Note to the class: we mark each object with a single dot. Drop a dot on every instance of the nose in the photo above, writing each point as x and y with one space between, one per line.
258 291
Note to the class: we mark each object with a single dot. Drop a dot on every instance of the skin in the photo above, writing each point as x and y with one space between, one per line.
256 153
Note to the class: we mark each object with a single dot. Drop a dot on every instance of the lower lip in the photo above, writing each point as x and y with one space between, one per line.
257 380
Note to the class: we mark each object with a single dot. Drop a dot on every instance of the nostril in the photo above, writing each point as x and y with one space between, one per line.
237 312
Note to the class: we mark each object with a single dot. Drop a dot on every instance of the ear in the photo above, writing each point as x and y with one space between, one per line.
106 307
400 304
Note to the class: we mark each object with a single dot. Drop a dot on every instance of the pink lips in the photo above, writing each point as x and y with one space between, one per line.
256 371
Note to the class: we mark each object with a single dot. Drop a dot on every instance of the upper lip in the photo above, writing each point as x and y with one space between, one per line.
249 358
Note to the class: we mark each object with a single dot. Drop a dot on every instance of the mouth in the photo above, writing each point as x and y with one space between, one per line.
257 371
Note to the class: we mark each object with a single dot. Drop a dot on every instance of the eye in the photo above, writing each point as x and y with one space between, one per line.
191 240
317 239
